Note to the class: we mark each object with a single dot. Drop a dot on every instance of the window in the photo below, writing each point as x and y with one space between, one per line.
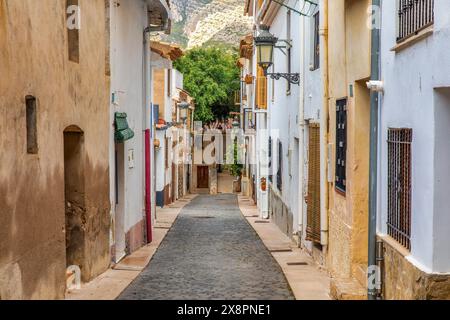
73 30
399 185
31 123
414 16
316 43
261 90
280 167
341 145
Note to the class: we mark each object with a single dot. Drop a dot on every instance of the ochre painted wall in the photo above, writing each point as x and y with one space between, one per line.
34 61
349 65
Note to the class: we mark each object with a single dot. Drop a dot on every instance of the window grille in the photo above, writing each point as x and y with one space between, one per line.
399 185
341 145
270 160
414 16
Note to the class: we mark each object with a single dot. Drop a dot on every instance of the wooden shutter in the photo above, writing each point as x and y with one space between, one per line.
159 98
261 90
313 213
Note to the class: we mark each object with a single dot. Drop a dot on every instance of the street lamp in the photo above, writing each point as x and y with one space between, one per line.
265 42
184 106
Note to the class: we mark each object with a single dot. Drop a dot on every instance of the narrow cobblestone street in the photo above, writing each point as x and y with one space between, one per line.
211 252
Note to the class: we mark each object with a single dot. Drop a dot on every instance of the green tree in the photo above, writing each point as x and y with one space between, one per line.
211 76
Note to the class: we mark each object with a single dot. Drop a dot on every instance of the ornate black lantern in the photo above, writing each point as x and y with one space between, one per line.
265 42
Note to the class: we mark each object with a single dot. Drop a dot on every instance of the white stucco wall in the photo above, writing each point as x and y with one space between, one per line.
311 96
160 162
410 77
127 24
283 109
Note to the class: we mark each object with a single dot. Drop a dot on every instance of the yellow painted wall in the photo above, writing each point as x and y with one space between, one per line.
349 64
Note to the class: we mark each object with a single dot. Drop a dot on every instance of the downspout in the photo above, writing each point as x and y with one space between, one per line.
148 134
301 163
372 292
324 125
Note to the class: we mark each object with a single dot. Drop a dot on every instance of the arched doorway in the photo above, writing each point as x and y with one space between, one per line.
75 197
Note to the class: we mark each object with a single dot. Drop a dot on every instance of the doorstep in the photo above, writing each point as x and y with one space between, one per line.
109 285
306 279
347 289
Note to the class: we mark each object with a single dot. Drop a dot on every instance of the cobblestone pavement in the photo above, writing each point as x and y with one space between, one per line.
211 252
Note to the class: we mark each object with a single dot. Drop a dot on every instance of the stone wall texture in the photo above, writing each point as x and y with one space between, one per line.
34 61
402 280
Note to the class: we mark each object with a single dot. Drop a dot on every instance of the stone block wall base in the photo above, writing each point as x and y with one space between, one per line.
404 281
135 237
347 289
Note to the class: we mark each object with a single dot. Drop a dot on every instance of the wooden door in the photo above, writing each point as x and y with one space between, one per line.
203 177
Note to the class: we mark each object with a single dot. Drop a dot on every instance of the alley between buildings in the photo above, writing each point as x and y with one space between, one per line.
211 252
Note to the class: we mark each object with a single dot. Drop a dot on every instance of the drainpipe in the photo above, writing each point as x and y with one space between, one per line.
301 121
374 97
323 5
148 135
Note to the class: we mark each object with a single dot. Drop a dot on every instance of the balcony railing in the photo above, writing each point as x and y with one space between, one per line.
414 16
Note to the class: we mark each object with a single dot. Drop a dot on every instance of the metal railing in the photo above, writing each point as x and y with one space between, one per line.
399 185
414 16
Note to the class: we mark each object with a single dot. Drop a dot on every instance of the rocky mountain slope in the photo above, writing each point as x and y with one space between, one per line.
204 22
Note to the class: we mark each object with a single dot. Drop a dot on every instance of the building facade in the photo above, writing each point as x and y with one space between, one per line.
55 208
81 168
349 69
166 95
413 177
323 144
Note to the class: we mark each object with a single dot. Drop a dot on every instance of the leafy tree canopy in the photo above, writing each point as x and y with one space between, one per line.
211 76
